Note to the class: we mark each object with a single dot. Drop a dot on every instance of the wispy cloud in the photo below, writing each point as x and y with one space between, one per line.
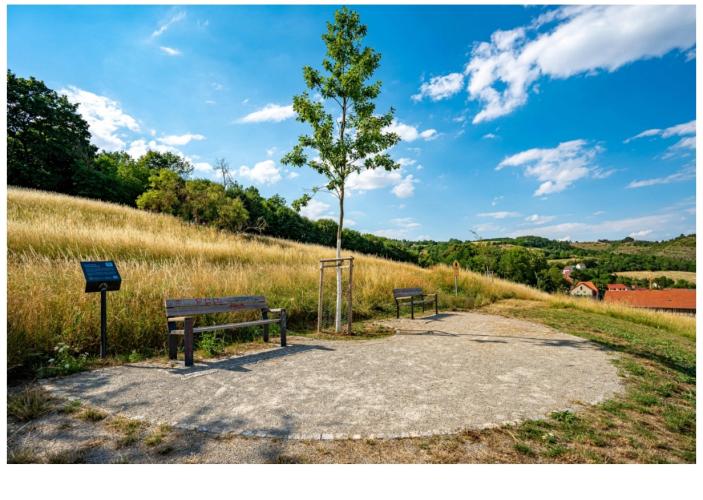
181 140
269 113
170 51
685 174
499 215
170 21
682 129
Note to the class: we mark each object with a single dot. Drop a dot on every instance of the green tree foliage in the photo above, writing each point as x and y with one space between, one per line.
48 142
165 194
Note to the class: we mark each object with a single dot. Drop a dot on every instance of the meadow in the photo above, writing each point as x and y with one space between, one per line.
160 256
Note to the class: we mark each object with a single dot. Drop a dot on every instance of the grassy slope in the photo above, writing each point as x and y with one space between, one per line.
160 256
680 248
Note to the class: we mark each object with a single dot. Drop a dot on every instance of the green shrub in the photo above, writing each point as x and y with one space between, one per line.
64 362
211 344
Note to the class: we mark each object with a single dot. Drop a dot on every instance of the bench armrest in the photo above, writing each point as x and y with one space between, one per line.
177 319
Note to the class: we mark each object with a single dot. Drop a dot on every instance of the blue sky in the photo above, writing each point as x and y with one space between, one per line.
515 120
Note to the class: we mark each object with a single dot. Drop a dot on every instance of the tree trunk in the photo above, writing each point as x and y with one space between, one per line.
338 307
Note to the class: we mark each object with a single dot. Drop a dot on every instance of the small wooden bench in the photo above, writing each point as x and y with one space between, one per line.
185 310
413 296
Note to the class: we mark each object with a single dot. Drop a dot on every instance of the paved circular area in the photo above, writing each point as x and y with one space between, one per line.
439 375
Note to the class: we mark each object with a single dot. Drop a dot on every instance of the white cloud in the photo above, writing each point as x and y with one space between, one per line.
406 162
499 215
403 226
556 168
685 174
210 101
539 219
271 151
489 136
370 179
180 140
406 187
264 172
139 148
204 167
270 113
440 87
170 51
104 116
292 174
585 40
640 234
315 210
682 129
496 200
656 223
405 222
409 133
163 27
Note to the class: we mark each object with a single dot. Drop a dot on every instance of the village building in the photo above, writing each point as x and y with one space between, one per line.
585 289
670 299
617 287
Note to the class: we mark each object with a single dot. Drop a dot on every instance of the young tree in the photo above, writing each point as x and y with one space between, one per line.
354 137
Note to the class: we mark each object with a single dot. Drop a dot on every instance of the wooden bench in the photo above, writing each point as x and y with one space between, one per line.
184 311
413 296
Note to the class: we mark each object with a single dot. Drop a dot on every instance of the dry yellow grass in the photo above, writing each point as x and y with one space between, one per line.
161 257
650 275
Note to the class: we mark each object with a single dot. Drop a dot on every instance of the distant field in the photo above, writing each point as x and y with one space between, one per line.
674 275
683 248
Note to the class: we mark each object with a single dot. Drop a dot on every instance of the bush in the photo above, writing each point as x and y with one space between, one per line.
64 362
211 344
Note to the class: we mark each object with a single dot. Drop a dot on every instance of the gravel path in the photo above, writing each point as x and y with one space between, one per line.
438 375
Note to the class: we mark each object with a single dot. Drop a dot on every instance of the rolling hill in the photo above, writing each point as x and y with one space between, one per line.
160 256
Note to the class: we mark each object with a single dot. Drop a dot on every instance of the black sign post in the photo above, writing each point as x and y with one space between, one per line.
101 276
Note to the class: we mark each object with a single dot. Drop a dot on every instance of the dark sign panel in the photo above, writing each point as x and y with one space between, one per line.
101 274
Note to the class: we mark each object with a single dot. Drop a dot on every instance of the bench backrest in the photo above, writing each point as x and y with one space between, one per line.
192 307
406 292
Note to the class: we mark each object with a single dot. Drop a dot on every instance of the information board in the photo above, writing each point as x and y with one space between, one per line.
99 274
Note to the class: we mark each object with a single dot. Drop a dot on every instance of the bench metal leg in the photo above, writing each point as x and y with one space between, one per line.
188 341
436 309
412 308
265 315
397 310
172 341
282 327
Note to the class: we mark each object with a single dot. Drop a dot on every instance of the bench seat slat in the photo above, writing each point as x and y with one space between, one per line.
228 326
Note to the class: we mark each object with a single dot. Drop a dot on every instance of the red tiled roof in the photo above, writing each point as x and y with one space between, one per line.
588 284
670 298
617 286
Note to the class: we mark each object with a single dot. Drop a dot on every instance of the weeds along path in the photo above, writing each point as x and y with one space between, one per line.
160 256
